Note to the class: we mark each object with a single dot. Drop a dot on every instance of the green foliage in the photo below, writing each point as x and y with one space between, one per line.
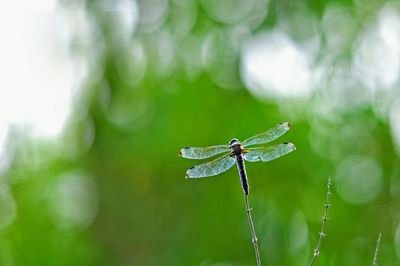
112 189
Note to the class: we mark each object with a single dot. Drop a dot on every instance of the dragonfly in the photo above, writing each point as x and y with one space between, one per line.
238 152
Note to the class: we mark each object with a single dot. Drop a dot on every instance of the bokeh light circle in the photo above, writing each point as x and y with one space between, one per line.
397 241
8 207
359 179
273 66
73 200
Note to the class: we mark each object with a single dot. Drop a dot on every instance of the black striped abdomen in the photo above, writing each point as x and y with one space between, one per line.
242 173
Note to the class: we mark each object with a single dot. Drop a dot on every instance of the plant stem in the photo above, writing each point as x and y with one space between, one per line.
253 231
378 242
324 218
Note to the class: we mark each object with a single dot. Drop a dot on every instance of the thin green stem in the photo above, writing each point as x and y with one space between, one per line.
378 242
324 219
253 231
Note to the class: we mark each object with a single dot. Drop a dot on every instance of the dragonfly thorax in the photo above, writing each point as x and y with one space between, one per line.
236 146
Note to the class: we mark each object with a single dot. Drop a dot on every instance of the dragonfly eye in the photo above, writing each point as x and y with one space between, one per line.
233 141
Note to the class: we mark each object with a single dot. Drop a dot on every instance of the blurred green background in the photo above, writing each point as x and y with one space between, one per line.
160 75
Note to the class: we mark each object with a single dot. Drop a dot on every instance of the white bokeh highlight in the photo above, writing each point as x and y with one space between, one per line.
37 91
377 54
394 118
73 200
359 179
273 66
8 207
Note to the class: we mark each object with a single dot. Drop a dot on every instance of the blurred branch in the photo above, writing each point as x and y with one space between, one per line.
378 242
324 218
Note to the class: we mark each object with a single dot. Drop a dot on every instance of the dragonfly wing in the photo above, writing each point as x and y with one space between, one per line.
268 136
266 154
203 152
215 167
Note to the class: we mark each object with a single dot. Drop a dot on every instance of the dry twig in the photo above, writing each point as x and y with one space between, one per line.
324 218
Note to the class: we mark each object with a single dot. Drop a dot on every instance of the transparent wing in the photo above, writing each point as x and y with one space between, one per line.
203 152
268 136
266 154
215 167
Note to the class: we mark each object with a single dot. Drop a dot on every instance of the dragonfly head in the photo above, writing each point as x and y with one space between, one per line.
234 142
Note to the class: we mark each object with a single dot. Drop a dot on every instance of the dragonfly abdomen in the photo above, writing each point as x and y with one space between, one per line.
242 173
